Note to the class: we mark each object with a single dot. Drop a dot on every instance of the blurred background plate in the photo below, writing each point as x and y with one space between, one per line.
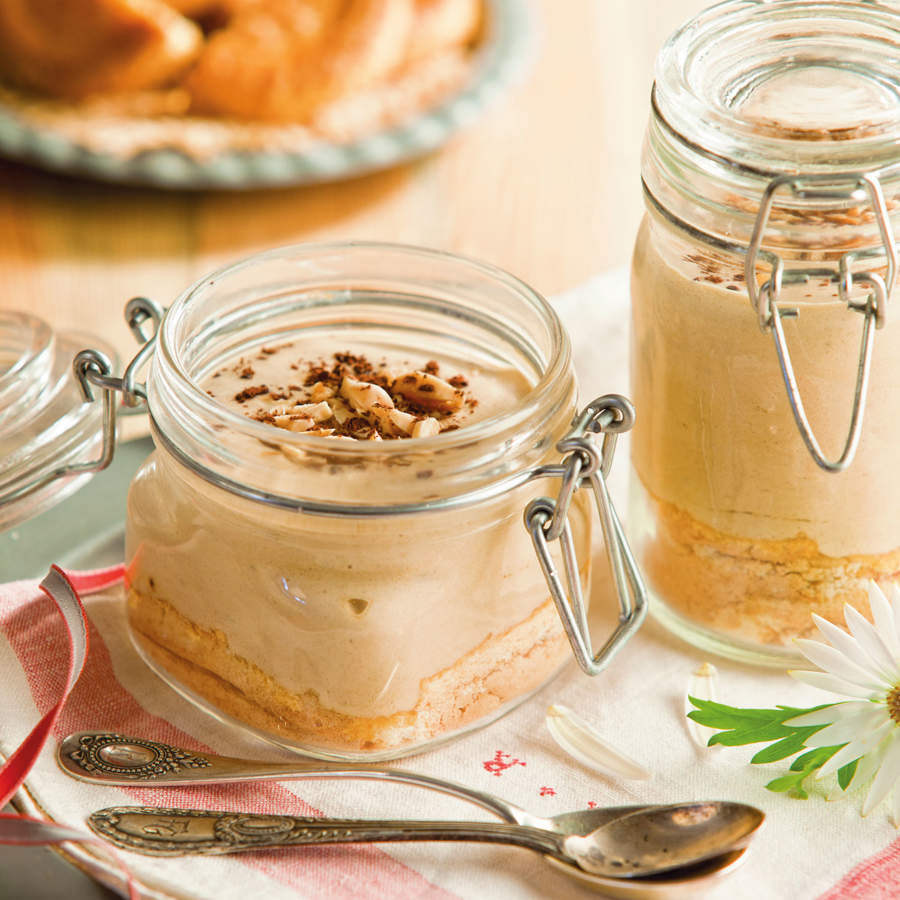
500 57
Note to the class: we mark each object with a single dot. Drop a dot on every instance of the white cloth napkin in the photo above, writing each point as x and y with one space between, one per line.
808 849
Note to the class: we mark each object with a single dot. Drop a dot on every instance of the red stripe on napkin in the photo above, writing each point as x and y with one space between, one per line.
74 652
24 830
99 701
874 879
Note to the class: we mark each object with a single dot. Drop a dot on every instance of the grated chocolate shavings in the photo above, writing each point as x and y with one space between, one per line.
377 421
251 392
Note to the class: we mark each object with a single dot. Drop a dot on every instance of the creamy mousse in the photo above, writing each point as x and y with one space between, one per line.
345 634
740 530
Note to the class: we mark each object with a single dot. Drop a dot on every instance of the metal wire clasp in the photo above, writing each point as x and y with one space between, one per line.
93 369
547 521
765 297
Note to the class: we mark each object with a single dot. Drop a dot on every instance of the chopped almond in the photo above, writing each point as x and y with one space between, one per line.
429 392
427 427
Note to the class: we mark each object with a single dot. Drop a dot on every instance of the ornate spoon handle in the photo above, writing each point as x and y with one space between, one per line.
176 832
107 758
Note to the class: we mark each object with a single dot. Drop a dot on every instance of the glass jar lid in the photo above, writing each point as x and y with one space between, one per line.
775 134
46 427
747 92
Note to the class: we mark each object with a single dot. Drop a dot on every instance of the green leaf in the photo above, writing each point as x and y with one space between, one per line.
718 715
845 774
793 781
814 759
780 749
769 732
737 727
740 711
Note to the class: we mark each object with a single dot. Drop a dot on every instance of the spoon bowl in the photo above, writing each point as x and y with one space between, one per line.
677 884
662 838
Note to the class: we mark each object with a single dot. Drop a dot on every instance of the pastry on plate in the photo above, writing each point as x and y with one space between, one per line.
249 60
83 82
283 60
83 47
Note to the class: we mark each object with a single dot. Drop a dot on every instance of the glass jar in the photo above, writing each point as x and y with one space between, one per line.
50 439
765 354
364 599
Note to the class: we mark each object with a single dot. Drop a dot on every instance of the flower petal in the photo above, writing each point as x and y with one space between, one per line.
839 760
829 714
869 765
887 776
837 663
852 728
868 761
895 606
883 617
895 807
584 743
867 638
846 643
702 685
828 682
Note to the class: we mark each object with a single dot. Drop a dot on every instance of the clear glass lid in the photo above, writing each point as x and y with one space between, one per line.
763 83
46 426
751 91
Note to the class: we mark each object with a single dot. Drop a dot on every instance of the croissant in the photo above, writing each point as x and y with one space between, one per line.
75 48
274 60
281 60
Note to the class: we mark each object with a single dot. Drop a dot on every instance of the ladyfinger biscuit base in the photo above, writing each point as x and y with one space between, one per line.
761 591
503 667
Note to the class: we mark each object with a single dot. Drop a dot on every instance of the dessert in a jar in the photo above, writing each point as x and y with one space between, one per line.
765 351
327 545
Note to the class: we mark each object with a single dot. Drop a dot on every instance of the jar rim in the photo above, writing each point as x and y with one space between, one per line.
718 107
556 366
737 104
172 376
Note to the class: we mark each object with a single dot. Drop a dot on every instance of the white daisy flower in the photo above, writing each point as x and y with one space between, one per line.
862 663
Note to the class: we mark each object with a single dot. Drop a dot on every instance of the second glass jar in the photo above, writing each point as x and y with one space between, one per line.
760 286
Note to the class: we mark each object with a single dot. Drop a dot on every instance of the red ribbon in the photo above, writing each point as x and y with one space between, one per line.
24 830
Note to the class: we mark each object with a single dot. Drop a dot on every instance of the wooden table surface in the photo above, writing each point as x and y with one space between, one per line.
545 186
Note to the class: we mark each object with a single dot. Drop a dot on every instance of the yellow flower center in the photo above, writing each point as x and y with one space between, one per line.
893 703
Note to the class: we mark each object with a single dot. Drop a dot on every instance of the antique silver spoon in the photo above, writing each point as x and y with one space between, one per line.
105 758
647 842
